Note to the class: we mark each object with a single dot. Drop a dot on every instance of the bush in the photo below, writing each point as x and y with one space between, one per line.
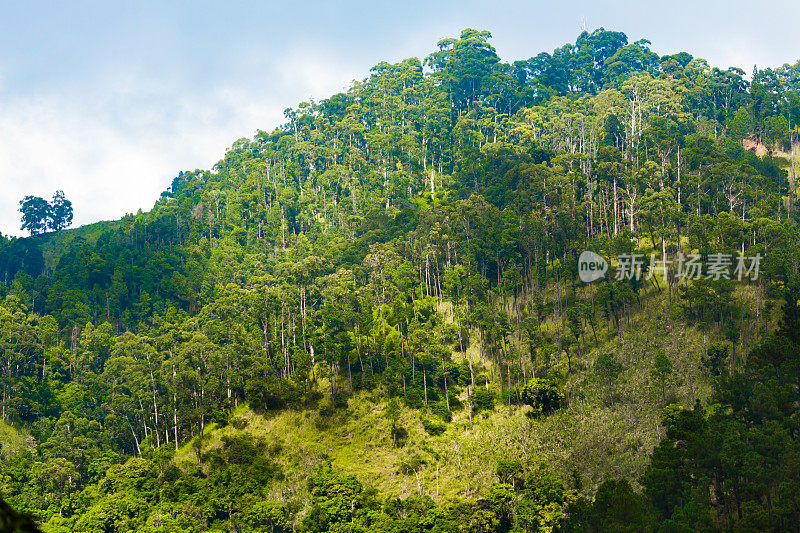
326 410
340 400
440 410
239 422
543 394
240 449
714 360
410 465
400 436
433 427
413 397
482 399
455 403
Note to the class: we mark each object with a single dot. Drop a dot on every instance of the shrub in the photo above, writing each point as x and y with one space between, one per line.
482 399
440 410
410 464
714 360
543 394
400 436
432 427
239 422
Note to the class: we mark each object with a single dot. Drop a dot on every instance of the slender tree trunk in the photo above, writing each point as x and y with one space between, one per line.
135 439
349 371
425 383
444 373
469 402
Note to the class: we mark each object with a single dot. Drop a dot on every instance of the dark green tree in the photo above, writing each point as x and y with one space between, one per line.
60 213
35 214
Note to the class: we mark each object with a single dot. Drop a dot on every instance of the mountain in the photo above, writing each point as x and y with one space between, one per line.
377 318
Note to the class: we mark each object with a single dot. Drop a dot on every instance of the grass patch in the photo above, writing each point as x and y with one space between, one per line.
12 441
595 436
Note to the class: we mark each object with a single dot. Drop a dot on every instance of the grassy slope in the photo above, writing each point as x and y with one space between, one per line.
12 441
583 444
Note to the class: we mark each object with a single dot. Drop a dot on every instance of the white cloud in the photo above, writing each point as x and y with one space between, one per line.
114 148
105 168
306 74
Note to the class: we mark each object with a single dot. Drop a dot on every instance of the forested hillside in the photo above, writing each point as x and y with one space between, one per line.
371 318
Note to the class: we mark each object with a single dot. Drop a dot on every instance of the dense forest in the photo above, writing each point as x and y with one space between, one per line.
371 319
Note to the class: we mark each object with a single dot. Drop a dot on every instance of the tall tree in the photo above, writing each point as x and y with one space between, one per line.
60 214
35 214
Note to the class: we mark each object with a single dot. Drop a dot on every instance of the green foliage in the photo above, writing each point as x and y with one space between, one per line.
411 464
482 400
742 124
662 368
34 211
618 508
38 215
607 369
392 411
714 360
683 465
60 214
432 427
14 522
543 394
510 471
414 240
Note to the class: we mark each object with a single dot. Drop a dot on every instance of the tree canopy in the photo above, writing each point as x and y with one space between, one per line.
370 318
39 215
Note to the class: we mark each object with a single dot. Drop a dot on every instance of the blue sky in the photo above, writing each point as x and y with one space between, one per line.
109 101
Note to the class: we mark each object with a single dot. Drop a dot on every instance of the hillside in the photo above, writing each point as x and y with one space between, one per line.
376 317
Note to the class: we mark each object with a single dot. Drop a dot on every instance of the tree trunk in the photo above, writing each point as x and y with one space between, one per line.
425 383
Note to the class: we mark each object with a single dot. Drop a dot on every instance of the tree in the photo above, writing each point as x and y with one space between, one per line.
543 395
35 214
662 368
742 124
510 471
618 508
392 413
714 360
39 216
60 214
465 64
361 243
11 520
607 368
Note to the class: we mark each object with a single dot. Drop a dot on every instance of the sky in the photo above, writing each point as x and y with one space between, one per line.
109 101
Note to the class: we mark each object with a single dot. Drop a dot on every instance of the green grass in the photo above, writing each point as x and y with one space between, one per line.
584 443
12 441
